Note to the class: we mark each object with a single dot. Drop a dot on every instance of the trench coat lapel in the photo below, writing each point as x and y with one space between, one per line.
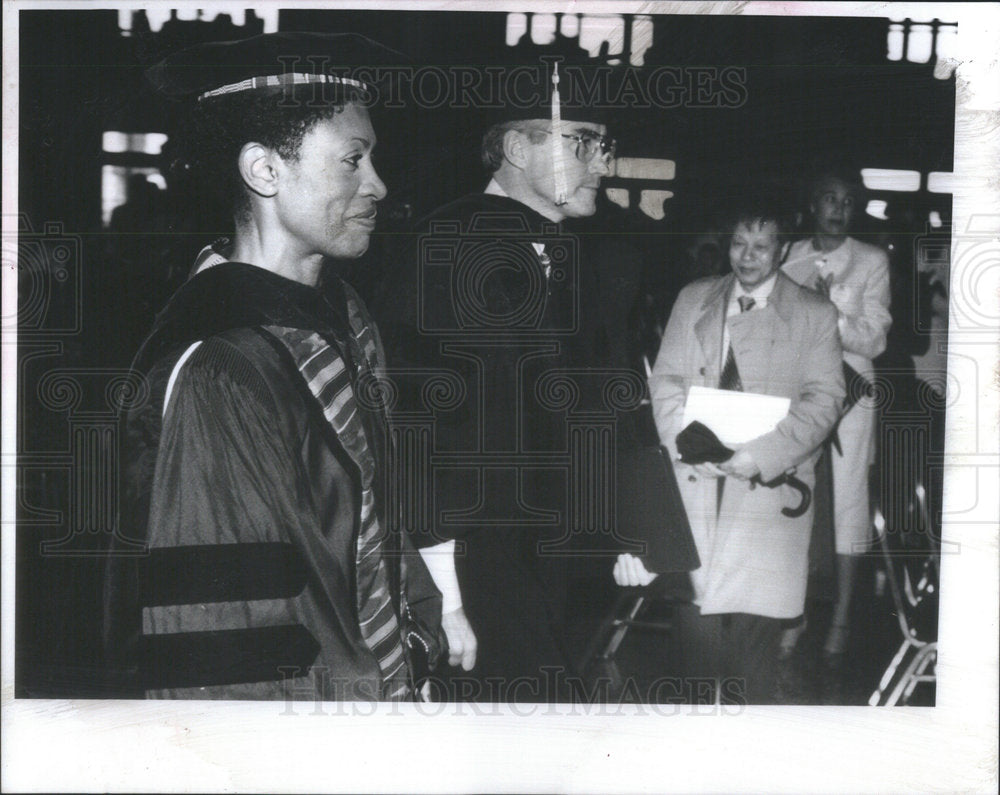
753 335
708 327
755 559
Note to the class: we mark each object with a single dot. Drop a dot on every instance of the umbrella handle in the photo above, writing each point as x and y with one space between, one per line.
805 496
805 493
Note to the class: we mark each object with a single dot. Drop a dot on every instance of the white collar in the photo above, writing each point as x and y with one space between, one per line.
759 293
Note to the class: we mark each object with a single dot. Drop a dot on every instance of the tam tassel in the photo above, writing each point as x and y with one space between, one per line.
558 166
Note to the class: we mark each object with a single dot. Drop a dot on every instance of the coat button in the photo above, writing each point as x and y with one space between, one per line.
692 478
701 371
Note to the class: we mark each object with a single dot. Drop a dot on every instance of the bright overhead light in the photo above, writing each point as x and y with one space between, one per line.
205 11
543 28
644 168
651 202
890 179
920 46
114 141
596 29
876 209
941 182
617 196
569 25
150 143
642 39
517 26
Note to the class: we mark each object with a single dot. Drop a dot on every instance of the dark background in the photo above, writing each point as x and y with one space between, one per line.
816 88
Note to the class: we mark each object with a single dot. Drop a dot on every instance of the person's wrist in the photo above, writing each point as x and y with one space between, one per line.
440 562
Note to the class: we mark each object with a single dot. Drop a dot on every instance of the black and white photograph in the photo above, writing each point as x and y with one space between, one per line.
572 397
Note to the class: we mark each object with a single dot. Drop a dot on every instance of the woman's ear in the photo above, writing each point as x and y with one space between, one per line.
257 169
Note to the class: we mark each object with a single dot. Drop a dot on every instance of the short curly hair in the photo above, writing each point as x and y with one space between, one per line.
217 129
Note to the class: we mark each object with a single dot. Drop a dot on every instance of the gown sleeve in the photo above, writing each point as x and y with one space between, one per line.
229 507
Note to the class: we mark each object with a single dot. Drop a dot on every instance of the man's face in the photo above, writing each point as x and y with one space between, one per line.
754 253
832 207
583 179
326 199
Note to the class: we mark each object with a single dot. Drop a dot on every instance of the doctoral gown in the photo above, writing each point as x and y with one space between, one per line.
233 573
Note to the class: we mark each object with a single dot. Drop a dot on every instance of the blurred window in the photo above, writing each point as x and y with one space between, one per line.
890 179
127 154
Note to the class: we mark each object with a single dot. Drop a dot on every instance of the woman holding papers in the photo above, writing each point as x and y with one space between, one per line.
855 276
755 331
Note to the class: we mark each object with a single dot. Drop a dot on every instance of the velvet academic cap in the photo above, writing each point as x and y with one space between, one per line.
272 62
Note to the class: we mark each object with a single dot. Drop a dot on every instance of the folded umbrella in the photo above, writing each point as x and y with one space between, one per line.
857 387
698 444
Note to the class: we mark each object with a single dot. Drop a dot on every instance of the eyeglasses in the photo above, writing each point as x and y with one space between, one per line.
589 144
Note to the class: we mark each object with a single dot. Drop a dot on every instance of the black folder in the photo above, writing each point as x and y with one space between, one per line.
650 510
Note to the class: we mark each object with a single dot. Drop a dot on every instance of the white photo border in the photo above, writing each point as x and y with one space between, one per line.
75 745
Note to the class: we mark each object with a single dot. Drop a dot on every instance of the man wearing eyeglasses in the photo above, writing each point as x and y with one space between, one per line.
481 319
522 159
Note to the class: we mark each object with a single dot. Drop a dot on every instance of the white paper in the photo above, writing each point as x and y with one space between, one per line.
735 417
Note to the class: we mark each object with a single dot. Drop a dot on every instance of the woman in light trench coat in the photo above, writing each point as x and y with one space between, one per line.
855 276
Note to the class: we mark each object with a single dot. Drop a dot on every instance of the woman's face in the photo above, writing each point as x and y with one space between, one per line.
832 207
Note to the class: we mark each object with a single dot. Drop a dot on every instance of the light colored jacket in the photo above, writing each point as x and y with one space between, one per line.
859 288
754 559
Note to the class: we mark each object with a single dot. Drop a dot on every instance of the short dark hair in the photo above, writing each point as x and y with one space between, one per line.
849 175
491 150
757 211
218 128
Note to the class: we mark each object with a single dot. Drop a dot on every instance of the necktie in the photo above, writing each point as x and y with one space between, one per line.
730 378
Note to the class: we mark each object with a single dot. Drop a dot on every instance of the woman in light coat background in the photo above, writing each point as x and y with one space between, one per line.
855 277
